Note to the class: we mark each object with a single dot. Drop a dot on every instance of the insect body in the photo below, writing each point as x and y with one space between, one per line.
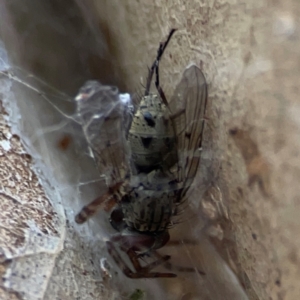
150 155
151 135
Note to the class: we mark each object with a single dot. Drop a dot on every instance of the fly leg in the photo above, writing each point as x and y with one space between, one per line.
124 241
182 242
158 87
106 202
154 66
173 267
160 51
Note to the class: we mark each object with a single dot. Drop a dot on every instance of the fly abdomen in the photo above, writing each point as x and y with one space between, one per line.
148 210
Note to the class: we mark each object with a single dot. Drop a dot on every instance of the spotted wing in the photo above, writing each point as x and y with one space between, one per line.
105 120
187 107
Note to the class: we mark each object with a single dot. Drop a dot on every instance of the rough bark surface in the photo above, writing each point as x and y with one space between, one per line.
249 53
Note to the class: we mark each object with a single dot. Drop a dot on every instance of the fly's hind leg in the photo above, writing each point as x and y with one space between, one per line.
176 268
177 243
106 202
128 244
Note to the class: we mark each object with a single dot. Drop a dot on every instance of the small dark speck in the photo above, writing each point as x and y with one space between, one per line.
16 137
188 135
254 236
7 261
146 141
149 119
233 131
27 156
240 190
23 277
277 282
64 142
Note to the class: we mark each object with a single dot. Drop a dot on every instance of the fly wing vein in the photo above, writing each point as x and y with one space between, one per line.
190 98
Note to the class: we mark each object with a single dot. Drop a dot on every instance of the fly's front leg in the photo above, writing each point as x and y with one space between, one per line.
123 242
158 87
159 54
106 202
154 66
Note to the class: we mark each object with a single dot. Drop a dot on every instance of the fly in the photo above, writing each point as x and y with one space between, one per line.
149 151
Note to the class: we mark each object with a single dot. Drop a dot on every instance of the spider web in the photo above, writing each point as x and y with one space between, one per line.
46 121
92 185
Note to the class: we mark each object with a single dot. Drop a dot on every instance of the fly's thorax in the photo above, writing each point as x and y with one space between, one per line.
151 135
